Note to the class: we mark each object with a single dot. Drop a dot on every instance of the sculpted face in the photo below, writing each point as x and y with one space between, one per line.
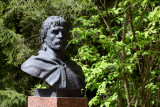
55 37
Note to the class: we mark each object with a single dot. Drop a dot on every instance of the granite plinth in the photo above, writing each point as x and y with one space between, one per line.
57 102
60 92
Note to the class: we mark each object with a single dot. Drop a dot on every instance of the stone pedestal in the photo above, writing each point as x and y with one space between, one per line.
57 102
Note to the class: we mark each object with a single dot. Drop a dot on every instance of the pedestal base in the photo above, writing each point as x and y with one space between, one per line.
57 102
59 92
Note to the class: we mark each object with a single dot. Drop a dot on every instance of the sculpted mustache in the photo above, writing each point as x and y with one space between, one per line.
55 41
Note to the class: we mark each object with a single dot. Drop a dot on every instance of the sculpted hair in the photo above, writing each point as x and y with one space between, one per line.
51 20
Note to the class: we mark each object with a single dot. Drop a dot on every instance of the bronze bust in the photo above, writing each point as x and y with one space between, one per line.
49 64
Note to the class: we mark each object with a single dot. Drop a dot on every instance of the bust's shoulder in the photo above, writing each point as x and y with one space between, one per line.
71 62
30 66
29 62
75 68
73 65
36 64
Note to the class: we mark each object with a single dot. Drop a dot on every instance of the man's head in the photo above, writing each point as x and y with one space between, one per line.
53 32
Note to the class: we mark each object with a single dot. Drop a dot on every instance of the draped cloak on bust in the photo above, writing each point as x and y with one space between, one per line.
56 72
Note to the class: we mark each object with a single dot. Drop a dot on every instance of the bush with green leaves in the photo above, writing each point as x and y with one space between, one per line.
11 98
120 52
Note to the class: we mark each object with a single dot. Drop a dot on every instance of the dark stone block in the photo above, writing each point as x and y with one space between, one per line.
60 92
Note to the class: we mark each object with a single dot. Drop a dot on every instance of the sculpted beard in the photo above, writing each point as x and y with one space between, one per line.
55 44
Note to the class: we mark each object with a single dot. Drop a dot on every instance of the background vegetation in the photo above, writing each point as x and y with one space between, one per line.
116 42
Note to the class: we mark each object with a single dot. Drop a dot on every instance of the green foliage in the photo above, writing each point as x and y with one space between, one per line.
38 86
11 43
122 66
11 98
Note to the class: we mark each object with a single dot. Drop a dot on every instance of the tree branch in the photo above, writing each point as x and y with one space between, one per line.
124 54
154 56
135 95
158 97
126 86
105 21
125 28
142 16
135 40
145 81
